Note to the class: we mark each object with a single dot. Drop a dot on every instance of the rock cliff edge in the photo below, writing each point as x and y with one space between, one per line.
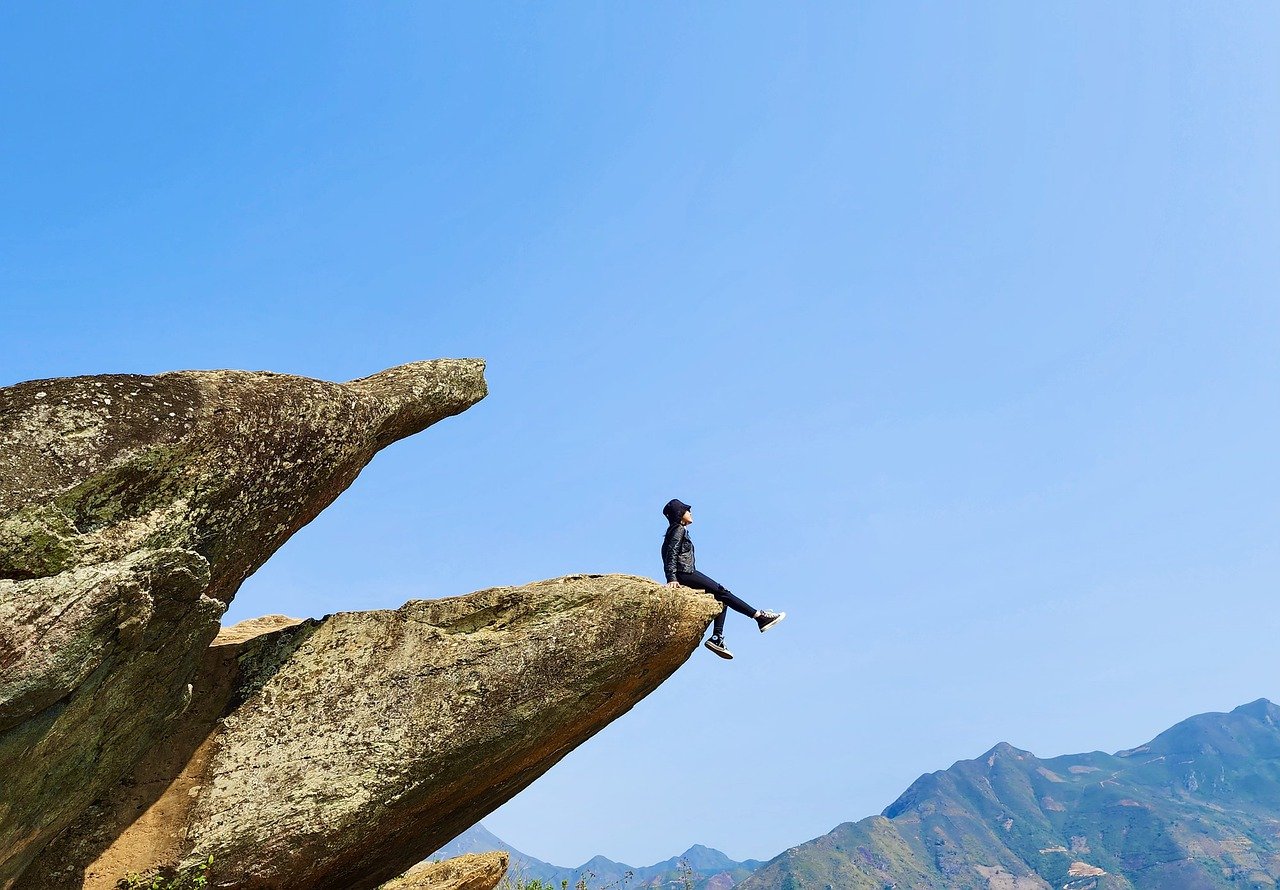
336 753
325 753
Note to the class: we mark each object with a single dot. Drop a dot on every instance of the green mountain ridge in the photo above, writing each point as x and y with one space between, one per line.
1197 807
712 870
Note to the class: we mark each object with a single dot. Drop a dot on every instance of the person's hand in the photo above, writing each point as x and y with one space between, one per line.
673 583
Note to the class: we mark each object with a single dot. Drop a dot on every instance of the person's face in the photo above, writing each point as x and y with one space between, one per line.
687 517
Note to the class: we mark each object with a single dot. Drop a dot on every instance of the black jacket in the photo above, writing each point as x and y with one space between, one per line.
677 548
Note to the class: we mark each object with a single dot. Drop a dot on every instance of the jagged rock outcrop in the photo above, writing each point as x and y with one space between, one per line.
131 510
336 753
474 871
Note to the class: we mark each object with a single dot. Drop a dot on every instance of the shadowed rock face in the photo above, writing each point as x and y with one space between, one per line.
337 753
131 510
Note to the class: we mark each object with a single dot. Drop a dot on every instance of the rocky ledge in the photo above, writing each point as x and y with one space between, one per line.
338 752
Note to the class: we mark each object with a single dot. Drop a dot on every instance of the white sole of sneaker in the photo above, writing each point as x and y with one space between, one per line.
723 653
774 622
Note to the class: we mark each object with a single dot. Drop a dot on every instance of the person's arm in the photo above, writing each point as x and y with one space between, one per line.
670 544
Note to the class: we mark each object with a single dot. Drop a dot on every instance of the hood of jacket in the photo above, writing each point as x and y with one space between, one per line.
674 509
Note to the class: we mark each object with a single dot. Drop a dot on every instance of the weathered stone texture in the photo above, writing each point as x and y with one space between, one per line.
474 871
131 510
337 753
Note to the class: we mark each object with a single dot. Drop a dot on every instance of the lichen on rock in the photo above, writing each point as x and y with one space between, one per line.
338 752
131 510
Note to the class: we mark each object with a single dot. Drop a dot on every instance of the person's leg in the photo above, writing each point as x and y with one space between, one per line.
699 581
736 604
717 626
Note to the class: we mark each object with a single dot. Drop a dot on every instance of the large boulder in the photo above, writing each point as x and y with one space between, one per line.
131 510
336 753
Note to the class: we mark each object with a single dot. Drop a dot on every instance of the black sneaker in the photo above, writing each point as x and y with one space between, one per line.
769 619
716 645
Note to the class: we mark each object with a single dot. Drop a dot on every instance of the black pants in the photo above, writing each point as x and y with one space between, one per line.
699 581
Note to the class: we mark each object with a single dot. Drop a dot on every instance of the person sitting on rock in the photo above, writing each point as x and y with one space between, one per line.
677 562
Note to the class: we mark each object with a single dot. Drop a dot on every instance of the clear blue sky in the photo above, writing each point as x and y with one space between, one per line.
958 325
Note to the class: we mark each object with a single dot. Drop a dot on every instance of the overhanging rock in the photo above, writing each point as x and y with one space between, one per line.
337 753
131 510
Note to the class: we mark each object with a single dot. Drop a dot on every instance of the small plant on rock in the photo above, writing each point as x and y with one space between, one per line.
518 881
194 877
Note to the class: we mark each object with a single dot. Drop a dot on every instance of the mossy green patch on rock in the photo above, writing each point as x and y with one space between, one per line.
35 542
148 480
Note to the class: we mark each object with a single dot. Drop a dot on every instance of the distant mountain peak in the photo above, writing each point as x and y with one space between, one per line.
1174 814
1262 709
712 869
1004 749
702 858
601 863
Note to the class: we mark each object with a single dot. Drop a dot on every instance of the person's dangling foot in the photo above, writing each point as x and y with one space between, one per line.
716 645
766 619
